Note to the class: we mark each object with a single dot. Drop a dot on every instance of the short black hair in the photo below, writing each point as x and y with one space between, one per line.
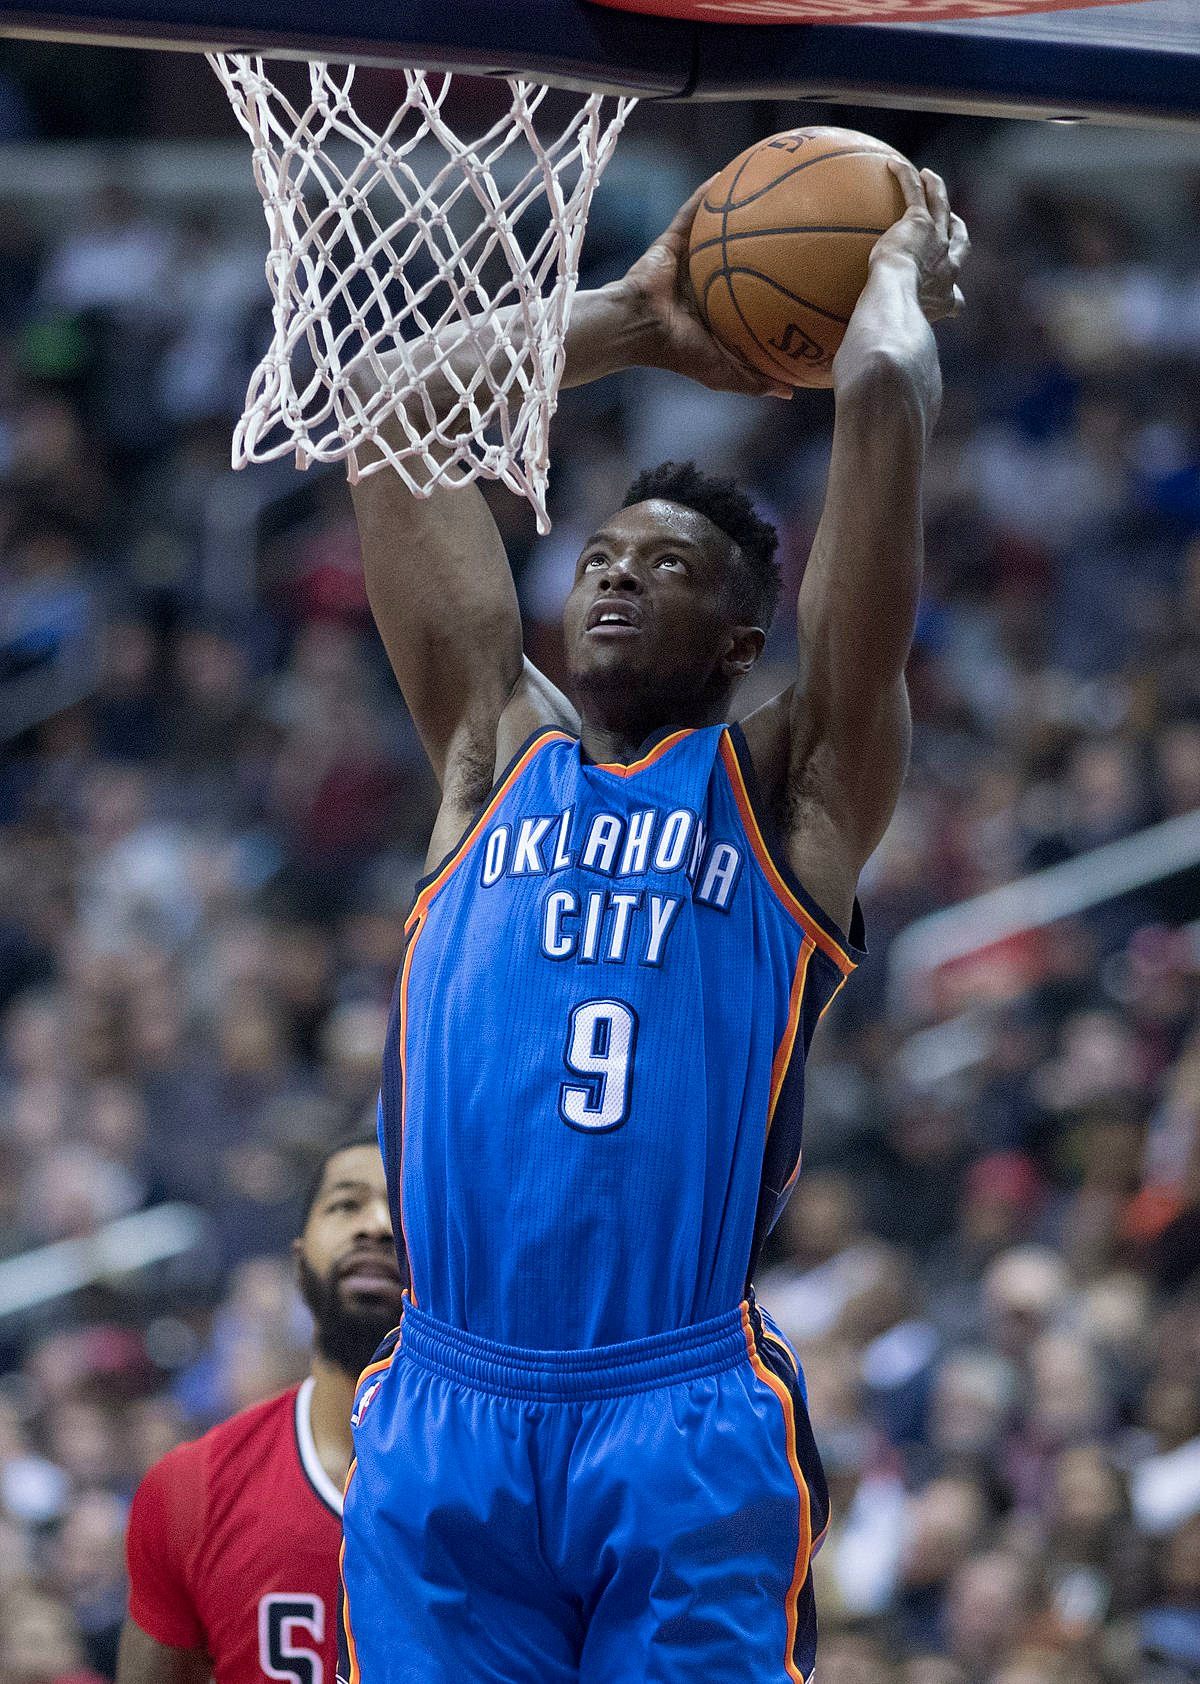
755 585
345 1143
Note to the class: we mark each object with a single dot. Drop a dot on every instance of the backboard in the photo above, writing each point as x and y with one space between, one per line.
1118 62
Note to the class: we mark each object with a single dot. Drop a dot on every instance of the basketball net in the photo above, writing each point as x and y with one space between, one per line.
404 245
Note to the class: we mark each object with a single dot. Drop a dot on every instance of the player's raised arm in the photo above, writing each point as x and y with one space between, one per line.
848 729
443 598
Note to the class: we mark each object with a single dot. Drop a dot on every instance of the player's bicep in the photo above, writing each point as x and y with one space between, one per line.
840 792
832 797
142 1659
444 601
484 751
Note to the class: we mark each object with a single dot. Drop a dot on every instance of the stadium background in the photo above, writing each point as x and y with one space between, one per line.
212 809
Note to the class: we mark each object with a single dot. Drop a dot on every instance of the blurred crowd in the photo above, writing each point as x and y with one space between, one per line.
213 808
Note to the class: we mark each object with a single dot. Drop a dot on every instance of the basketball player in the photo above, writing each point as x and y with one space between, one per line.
588 1457
234 1539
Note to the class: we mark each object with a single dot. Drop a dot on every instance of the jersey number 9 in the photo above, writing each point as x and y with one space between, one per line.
601 1036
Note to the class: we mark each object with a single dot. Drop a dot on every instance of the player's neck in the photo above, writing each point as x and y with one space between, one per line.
611 738
329 1410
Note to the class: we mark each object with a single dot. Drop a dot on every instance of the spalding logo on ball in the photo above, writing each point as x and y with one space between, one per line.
780 243
844 11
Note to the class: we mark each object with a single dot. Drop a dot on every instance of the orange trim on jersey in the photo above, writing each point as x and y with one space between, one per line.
415 923
804 1546
786 1349
761 852
376 1368
656 753
792 1178
351 1648
402 1037
832 997
787 1041
421 904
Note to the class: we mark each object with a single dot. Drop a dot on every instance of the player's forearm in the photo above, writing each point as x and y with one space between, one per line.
858 601
612 328
888 357
869 574
609 330
864 582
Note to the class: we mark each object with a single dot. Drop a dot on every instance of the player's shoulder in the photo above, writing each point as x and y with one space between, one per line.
267 1423
270 1448
239 1436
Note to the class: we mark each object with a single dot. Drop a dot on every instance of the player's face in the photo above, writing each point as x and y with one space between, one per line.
649 607
346 1252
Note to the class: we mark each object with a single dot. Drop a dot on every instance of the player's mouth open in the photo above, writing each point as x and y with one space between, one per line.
369 1274
613 617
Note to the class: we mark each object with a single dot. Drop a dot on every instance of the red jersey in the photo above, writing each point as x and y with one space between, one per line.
233 1548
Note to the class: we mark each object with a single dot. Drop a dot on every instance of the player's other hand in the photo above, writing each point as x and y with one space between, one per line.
670 330
931 236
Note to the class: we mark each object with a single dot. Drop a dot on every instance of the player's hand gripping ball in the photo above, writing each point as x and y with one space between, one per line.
780 244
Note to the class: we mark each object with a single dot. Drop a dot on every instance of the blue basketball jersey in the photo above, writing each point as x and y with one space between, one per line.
593 1083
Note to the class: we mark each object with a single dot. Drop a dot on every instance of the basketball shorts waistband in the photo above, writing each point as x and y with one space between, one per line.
604 1371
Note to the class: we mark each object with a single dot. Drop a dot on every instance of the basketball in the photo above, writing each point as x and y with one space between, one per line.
779 246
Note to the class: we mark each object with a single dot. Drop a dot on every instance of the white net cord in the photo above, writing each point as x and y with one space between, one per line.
388 250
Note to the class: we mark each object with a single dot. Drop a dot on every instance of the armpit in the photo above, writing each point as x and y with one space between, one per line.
470 769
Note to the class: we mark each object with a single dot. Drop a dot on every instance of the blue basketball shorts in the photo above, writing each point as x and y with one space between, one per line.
643 1513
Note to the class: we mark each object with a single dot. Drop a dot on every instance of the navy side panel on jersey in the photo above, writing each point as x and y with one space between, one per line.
592 1089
